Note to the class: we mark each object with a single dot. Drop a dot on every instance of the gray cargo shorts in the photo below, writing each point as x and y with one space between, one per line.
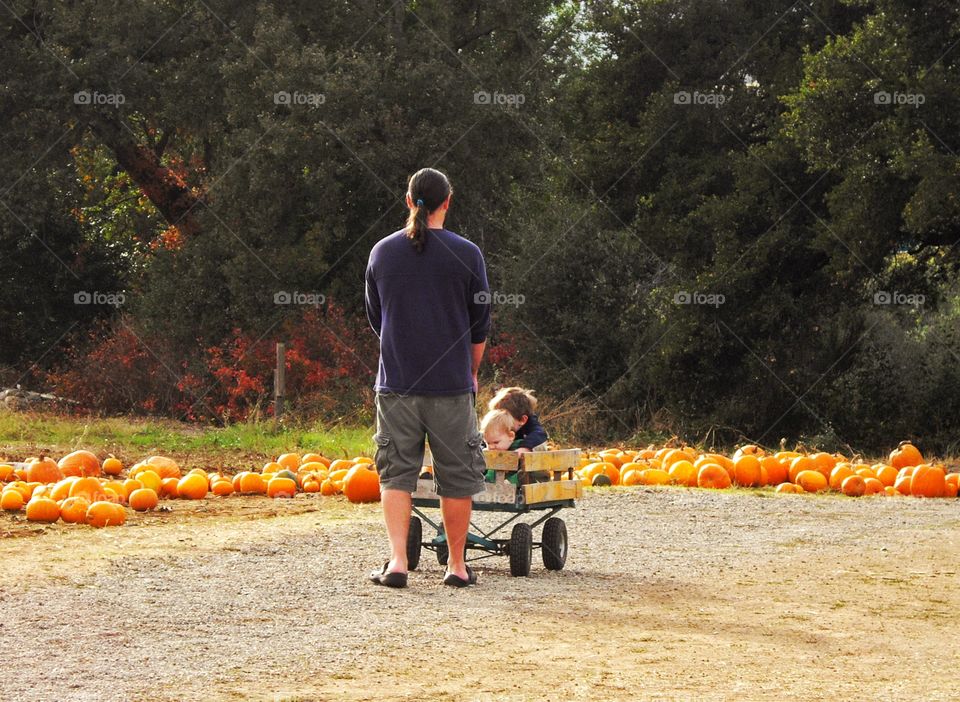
449 422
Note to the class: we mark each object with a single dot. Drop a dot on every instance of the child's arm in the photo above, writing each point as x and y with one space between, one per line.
532 434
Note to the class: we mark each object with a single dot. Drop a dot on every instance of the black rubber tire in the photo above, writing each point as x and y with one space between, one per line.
553 544
521 550
414 543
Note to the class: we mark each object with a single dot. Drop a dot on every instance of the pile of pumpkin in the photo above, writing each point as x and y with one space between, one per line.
80 489
904 473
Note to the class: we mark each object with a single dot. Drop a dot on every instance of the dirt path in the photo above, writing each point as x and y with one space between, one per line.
668 595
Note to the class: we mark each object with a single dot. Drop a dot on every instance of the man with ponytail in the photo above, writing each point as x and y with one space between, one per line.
428 301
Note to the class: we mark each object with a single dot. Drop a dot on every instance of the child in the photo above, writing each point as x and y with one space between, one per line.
498 434
521 404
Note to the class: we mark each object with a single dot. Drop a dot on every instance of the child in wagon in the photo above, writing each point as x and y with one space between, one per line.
512 425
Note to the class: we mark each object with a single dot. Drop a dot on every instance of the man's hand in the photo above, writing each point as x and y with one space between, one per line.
476 384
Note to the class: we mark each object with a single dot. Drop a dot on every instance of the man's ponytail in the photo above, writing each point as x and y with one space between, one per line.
417 225
428 189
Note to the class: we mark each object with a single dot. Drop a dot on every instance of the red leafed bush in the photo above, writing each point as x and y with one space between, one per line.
331 361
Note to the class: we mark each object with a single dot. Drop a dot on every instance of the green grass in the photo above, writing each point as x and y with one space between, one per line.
30 432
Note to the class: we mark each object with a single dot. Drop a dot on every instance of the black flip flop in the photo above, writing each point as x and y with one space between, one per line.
456 581
388 579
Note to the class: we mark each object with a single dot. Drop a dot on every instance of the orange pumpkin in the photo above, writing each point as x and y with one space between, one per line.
168 487
43 509
90 488
73 510
43 470
798 465
80 463
873 487
112 465
290 461
928 481
853 485
193 486
681 473
252 484
362 484
841 472
143 499
11 500
6 472
713 475
824 462
222 487
777 471
163 466
746 470
103 513
328 488
282 487
811 480
61 490
786 488
340 464
654 476
886 474
905 455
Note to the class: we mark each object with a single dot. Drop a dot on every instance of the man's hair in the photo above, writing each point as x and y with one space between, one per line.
497 420
516 401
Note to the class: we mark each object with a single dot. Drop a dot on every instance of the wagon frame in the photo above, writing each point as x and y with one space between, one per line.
546 484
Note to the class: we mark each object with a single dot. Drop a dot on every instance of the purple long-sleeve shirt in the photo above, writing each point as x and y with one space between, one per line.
428 308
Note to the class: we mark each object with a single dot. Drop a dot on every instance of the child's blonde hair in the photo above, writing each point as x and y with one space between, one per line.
497 420
516 401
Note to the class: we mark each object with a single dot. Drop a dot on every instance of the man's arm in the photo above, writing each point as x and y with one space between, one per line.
372 301
477 356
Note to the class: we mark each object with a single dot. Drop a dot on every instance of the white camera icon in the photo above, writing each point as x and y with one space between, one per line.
681 98
682 298
282 298
82 298
482 298
281 98
482 98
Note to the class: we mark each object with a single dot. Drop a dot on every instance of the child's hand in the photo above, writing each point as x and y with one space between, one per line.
523 450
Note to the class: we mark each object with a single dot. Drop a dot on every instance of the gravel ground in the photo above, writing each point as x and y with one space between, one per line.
668 594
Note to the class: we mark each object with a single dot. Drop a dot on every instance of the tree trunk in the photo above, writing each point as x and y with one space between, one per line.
167 191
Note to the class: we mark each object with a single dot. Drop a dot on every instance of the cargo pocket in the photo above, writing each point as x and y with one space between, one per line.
477 462
383 458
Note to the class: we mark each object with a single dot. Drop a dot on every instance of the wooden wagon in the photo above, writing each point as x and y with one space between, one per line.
545 484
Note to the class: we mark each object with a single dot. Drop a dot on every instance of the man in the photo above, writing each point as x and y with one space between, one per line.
427 299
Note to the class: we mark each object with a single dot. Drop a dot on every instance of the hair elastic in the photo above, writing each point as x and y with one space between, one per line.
419 202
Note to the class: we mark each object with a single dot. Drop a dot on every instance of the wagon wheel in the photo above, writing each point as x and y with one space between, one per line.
554 544
414 543
443 553
521 550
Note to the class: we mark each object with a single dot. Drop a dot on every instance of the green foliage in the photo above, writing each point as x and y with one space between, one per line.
699 203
